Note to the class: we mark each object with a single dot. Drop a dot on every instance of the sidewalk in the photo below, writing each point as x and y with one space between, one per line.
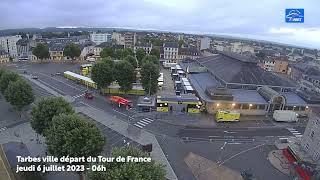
279 161
142 137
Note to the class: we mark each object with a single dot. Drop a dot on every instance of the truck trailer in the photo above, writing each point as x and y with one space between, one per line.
285 116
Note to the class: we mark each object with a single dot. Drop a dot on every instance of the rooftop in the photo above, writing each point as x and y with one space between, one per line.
171 45
232 69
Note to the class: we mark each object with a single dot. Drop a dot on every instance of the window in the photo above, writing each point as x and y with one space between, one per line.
316 156
307 146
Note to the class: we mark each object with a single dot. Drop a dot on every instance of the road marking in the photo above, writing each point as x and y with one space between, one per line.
290 129
299 135
146 121
296 133
77 96
120 112
3 128
240 153
141 124
138 125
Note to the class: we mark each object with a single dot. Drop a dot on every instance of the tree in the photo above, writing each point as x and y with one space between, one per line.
73 136
45 110
127 52
118 54
2 70
150 59
5 79
106 52
181 42
72 51
130 170
19 94
132 60
102 73
149 77
41 51
140 54
155 52
126 79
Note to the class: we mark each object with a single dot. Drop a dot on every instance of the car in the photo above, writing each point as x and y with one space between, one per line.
34 76
58 73
25 72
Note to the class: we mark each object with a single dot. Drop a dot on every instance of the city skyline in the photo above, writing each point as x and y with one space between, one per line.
239 19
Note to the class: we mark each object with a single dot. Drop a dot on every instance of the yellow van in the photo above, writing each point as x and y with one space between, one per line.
227 116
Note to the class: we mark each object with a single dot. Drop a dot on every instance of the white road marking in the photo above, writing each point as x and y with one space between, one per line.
138 125
146 121
299 135
77 96
141 124
296 133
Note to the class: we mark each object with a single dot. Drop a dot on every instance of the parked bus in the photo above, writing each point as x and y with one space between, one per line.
80 79
227 116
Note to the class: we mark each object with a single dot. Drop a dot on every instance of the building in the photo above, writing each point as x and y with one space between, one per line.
241 48
205 43
310 141
145 46
170 51
56 51
118 38
268 65
9 44
4 56
281 65
130 40
228 81
99 38
191 53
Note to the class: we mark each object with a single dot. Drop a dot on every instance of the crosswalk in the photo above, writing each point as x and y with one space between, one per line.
3 129
143 122
295 132
79 95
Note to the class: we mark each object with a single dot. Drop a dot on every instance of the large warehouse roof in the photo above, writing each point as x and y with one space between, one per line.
241 71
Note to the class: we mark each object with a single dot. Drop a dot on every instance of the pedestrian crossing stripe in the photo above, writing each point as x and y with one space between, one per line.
138 125
148 119
143 120
299 135
291 129
3 128
77 96
296 133
142 123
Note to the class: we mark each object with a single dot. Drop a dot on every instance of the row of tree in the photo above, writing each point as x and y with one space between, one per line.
15 89
72 51
108 71
67 133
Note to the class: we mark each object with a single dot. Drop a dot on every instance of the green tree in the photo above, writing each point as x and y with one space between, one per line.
127 52
155 52
5 79
73 136
41 51
19 94
72 51
118 54
149 77
2 70
181 42
130 170
103 74
150 59
132 60
106 52
45 110
140 54
126 79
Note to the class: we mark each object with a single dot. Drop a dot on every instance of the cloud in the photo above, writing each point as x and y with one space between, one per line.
245 18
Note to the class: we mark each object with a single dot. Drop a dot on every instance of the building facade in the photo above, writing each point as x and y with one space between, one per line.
191 53
118 38
205 43
4 56
9 44
99 38
281 65
310 141
170 51
130 40
146 47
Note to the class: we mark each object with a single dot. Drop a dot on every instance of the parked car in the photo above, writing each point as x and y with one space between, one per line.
58 73
34 76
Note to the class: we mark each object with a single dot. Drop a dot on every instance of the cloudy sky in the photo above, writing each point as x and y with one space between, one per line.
242 18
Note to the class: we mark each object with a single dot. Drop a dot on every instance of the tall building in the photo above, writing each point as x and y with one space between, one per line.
130 40
9 44
170 51
310 141
205 43
99 38
118 38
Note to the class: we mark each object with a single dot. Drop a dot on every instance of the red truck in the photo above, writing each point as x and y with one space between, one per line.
121 101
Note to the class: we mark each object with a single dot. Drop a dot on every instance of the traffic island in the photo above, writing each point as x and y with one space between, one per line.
279 161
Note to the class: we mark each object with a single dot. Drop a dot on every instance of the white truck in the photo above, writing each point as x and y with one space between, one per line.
285 116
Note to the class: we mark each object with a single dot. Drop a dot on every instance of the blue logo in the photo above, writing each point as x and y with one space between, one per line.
294 15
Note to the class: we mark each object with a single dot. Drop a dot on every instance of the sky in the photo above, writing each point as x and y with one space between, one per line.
258 19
